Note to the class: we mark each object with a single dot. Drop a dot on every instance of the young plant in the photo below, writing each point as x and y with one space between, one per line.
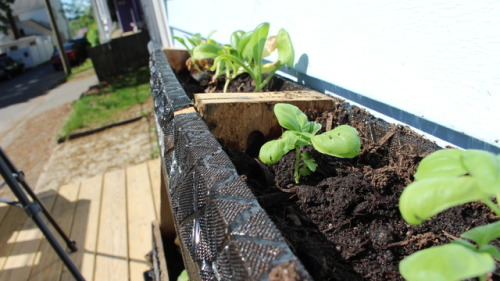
445 179
245 54
343 141
194 41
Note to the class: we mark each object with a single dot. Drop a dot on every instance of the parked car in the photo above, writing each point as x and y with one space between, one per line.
10 67
73 52
83 46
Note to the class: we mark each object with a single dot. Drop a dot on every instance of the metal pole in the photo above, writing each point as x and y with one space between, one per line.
32 209
59 42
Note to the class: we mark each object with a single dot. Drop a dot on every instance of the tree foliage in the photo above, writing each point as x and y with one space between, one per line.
5 11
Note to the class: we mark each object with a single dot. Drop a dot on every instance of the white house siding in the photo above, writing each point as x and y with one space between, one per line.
436 59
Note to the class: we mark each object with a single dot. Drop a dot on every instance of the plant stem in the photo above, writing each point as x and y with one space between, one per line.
492 206
297 161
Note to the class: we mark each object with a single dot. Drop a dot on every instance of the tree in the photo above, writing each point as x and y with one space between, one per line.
79 14
7 19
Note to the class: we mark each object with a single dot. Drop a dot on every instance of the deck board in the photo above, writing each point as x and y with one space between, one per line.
12 224
140 209
109 216
112 246
22 257
154 168
50 265
85 226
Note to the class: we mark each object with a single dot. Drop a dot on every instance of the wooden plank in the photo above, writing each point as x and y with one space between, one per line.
85 228
154 168
141 213
177 58
112 259
234 117
22 257
12 223
160 261
137 269
50 265
4 208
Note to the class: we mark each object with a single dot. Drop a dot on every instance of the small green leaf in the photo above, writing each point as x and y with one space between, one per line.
255 47
439 164
206 51
286 55
183 276
342 142
311 128
491 250
422 199
272 151
449 262
235 38
483 234
182 41
309 161
484 167
290 117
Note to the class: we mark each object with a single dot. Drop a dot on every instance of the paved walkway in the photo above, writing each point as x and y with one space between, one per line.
14 115
109 216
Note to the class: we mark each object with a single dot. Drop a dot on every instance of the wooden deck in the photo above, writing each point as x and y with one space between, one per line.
109 216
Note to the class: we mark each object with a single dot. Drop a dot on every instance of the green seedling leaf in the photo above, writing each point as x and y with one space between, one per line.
422 199
342 142
272 151
491 250
485 167
269 47
309 162
484 234
206 51
195 40
440 164
235 38
183 276
449 262
290 117
182 41
286 54
255 46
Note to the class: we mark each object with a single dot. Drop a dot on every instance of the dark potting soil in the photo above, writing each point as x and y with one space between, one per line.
343 221
243 83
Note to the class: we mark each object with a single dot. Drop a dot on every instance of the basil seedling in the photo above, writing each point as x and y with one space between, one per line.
445 179
343 141
245 54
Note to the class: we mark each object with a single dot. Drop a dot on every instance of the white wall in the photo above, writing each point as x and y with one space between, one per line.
439 60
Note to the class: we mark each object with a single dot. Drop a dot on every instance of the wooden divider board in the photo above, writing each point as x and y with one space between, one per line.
234 116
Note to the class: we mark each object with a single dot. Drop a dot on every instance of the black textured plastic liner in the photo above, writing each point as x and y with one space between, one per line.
224 233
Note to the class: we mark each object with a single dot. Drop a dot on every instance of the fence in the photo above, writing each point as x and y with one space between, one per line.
120 55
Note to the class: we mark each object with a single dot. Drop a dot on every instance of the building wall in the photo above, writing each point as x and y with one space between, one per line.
436 59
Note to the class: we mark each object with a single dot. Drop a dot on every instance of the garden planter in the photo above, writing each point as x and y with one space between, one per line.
226 235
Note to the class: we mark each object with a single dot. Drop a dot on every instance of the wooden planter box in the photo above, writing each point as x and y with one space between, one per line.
224 232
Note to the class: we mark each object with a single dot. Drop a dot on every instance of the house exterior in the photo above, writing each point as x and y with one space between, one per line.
32 18
37 39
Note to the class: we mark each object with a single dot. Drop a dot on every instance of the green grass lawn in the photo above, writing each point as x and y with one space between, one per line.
109 100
